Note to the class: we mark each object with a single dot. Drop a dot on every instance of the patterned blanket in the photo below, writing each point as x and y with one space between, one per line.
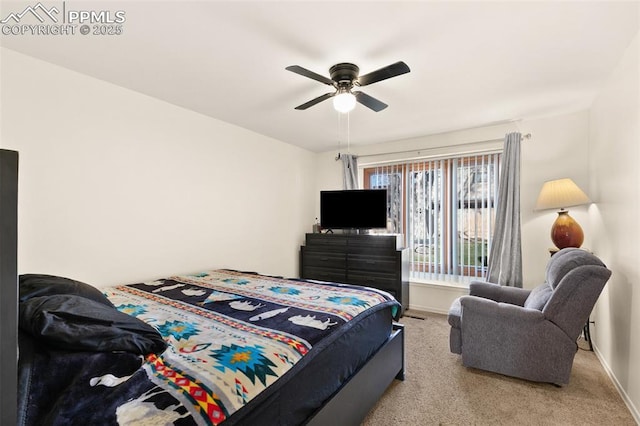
230 335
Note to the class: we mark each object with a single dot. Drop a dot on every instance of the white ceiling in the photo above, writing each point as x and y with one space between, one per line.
472 63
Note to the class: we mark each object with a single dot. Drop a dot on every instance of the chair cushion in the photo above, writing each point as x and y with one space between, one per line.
567 260
538 297
455 311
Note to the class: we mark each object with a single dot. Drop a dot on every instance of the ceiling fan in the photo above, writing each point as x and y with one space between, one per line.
344 78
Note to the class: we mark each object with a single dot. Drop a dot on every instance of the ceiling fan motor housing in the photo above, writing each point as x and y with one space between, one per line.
344 74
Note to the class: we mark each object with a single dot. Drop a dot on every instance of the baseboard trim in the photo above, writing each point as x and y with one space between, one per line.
434 297
429 309
632 408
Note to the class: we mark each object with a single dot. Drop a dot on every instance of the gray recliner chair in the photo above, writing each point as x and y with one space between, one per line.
530 334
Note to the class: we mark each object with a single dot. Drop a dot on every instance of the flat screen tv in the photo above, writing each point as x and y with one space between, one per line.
353 209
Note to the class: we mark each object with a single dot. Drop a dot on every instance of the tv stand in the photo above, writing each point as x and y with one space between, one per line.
377 261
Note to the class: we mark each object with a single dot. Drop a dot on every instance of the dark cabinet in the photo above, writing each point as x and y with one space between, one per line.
377 261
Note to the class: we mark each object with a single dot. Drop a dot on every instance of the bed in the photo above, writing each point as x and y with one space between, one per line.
216 347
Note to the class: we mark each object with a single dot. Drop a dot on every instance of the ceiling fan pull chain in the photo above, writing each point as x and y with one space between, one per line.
339 134
349 133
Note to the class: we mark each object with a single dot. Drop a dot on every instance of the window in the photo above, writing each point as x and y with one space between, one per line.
445 208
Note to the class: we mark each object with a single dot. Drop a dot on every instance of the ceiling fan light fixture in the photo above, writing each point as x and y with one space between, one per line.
344 101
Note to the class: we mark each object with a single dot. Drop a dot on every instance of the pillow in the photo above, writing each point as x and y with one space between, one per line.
538 297
76 323
36 285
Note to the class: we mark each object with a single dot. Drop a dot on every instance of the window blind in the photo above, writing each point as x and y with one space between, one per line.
445 208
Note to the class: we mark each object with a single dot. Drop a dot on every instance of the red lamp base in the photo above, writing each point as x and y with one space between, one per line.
566 232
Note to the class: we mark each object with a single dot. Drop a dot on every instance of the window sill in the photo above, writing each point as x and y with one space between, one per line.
443 280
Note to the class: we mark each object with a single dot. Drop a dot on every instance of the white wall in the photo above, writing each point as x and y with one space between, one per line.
558 148
116 186
615 222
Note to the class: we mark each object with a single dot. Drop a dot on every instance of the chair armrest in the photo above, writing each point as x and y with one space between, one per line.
498 293
498 311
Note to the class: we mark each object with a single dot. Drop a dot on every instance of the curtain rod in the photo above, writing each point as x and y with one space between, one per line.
527 136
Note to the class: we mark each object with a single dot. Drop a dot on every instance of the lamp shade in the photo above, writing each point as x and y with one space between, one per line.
559 194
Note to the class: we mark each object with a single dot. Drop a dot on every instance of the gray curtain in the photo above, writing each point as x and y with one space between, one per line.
505 257
349 171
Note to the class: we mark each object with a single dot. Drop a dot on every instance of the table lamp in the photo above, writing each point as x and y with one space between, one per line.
563 193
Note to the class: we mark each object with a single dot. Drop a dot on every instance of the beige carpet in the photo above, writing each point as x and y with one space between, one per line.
439 390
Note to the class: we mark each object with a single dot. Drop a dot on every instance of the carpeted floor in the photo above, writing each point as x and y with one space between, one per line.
439 390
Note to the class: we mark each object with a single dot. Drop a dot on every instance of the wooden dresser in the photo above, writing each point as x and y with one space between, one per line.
377 261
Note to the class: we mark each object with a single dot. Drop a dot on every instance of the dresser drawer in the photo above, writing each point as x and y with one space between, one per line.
312 273
323 259
368 251
357 262
373 243
387 282
333 242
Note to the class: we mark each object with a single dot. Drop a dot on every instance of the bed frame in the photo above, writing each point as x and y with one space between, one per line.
350 404
8 287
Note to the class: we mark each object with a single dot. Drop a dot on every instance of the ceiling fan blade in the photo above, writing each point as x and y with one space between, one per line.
389 71
310 74
317 100
370 102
